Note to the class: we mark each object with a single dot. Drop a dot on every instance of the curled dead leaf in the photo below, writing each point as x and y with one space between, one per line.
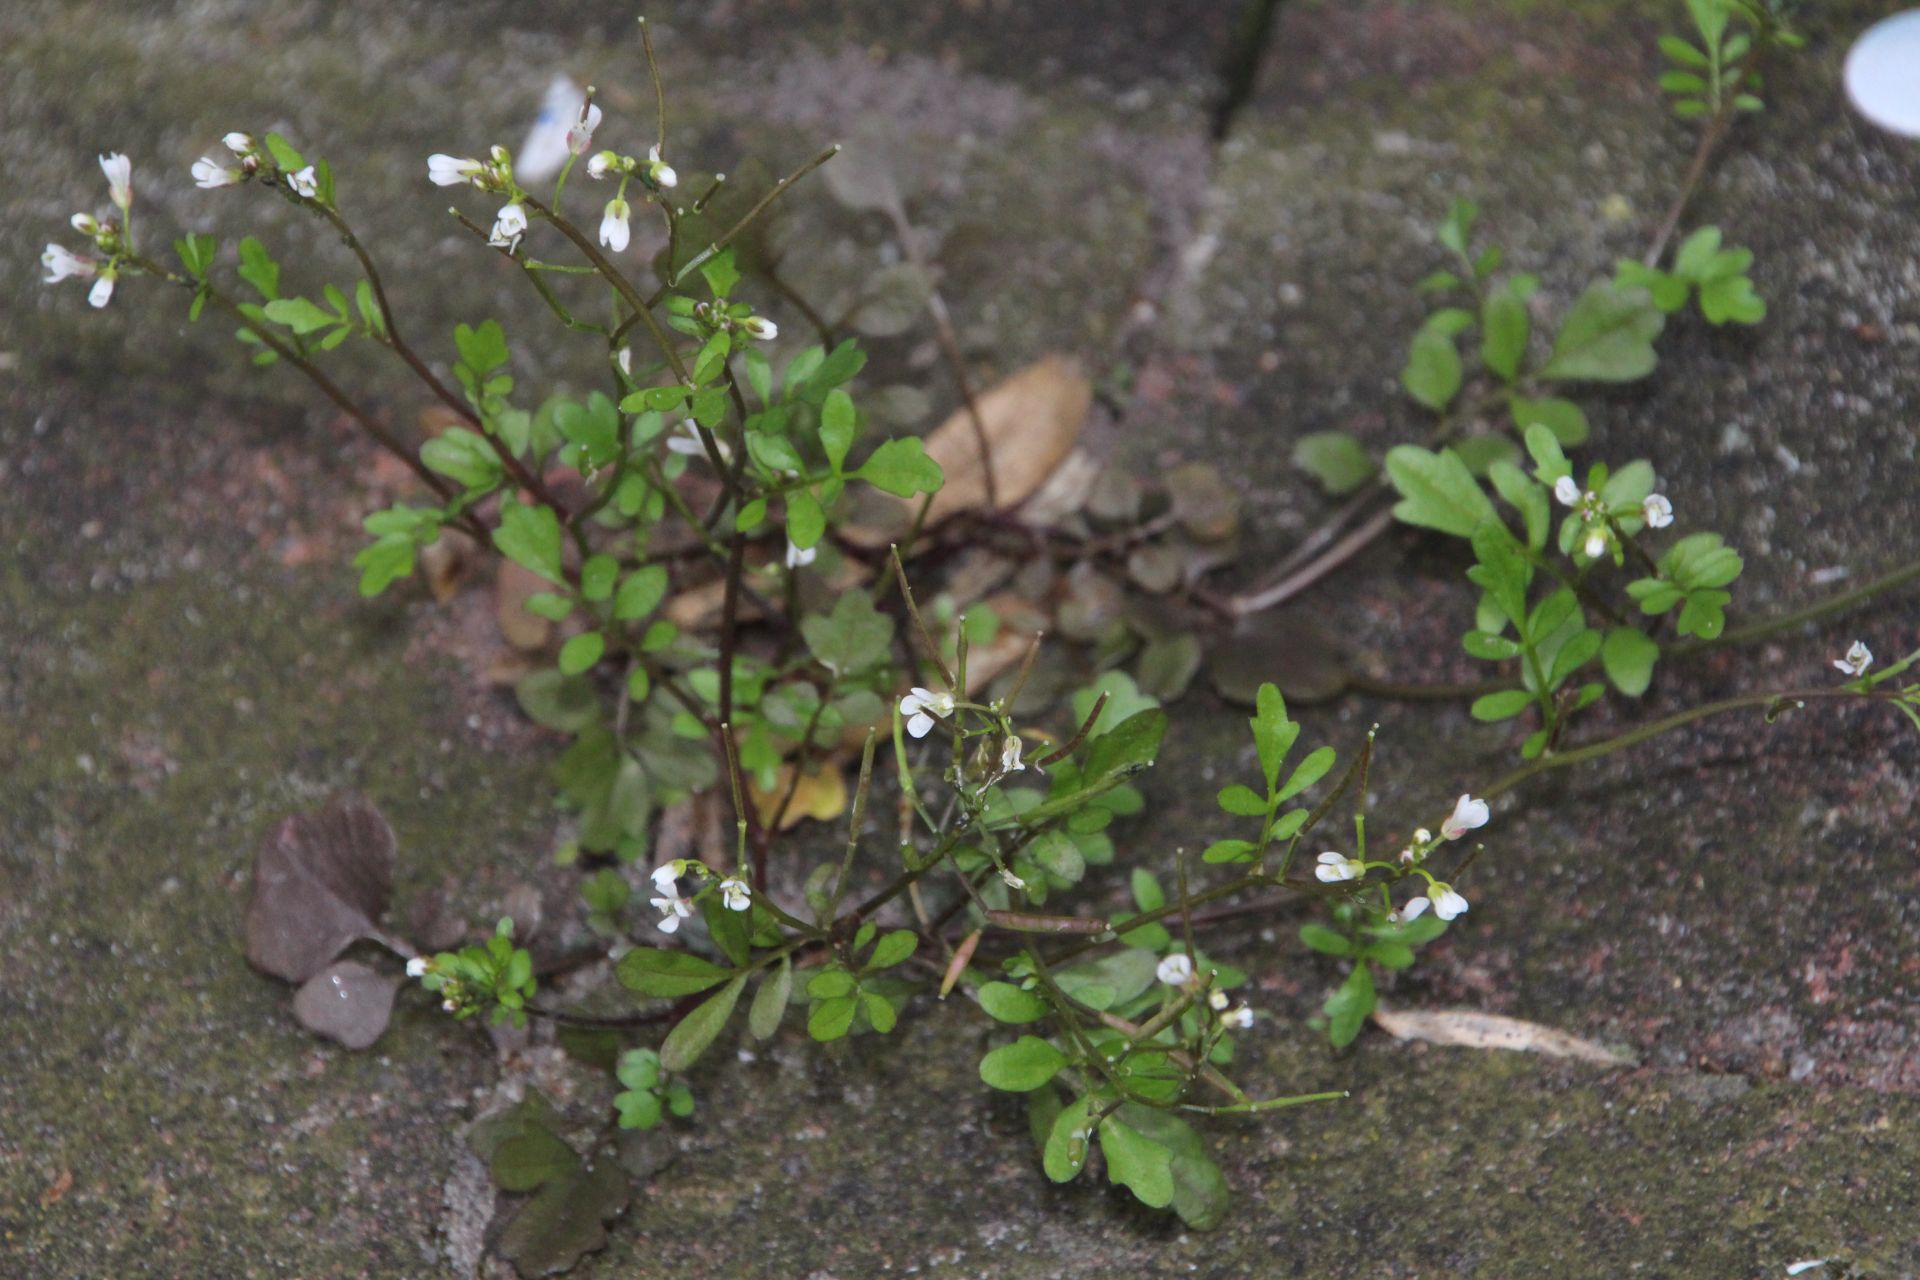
320 883
1473 1030
1031 420
347 1002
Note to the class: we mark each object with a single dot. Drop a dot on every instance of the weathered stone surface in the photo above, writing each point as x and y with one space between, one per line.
185 662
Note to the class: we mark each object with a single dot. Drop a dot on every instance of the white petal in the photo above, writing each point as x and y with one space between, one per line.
1175 970
920 726
119 171
417 967
1566 490
1657 511
102 291
238 143
1468 813
1449 904
670 924
1415 909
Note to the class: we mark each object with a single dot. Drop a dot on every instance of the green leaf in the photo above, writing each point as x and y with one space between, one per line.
1325 940
258 268
1147 893
581 652
1436 491
838 368
1606 337
481 350
462 456
300 315
641 593
1273 733
554 701
720 272
832 1018
1027 1063
770 1001
1504 705
1732 299
196 253
1432 375
1137 1163
530 537
384 562
854 637
1242 802
1335 459
892 949
1489 647
1682 52
1308 772
1067 1145
1563 418
1457 228
1127 747
1348 1007
837 428
666 974
1628 656
1504 327
598 575
902 468
806 522
693 1033
1004 1002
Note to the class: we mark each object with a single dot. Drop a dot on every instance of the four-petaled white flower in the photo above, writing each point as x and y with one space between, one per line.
1335 867
1567 491
209 173
1013 881
1218 1000
102 291
239 143
661 172
735 894
450 171
304 183
760 327
920 706
798 556
1858 658
614 231
580 133
1467 814
673 909
1446 903
1010 761
508 226
60 264
665 877
119 171
1657 511
1596 544
1240 1019
1176 970
417 967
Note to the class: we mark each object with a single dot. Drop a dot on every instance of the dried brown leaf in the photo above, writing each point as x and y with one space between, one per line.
1473 1030
511 587
347 1002
320 882
822 794
1032 420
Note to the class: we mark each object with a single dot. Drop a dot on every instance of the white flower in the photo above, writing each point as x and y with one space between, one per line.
920 706
102 290
613 224
449 171
1010 761
85 223
1858 658
417 967
1422 836
1567 491
1240 1019
580 135
600 163
119 171
449 1006
686 439
1657 511
735 894
673 909
1176 970
664 877
625 360
1596 544
61 264
303 183
508 226
1013 881
209 173
1218 1000
799 556
661 172
1445 903
1467 814
1335 867
760 327
239 143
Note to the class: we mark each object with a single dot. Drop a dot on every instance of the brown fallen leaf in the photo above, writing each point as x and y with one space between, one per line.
1473 1030
347 1002
320 883
1031 420
511 587
822 794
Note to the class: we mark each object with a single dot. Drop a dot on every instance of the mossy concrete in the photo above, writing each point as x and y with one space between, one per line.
186 662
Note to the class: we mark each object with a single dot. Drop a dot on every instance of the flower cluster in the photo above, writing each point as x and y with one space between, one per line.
1856 660
652 172
1446 902
673 906
61 263
1597 537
